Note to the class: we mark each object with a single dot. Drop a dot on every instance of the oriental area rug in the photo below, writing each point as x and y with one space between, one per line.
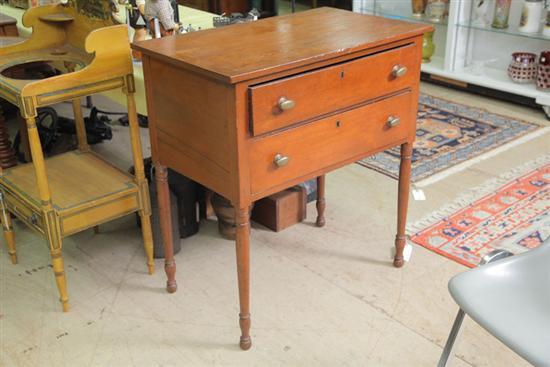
450 137
511 212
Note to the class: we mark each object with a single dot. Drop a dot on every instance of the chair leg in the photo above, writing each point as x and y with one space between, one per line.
59 272
453 335
147 240
7 226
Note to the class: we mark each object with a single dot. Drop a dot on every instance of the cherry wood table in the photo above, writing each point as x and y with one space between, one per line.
251 109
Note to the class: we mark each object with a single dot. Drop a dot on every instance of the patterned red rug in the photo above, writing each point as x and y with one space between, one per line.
511 212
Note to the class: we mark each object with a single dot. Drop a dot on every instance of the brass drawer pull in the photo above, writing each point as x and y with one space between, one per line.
399 71
281 160
286 104
393 121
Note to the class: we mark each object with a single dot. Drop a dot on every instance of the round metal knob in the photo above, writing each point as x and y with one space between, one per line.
399 71
286 104
393 121
281 160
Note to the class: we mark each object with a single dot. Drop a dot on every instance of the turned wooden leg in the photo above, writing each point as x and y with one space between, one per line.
163 193
242 221
403 203
52 226
145 212
59 272
7 226
321 203
80 126
147 240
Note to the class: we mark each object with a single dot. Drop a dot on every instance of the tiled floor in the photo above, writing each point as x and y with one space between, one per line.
320 297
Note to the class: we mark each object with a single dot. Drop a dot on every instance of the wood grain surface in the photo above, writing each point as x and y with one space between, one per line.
215 113
245 51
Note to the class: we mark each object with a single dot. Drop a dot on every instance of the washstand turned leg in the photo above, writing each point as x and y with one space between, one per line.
141 181
403 203
163 194
7 226
59 272
321 203
242 222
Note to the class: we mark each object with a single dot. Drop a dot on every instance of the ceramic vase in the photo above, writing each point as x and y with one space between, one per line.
546 29
418 7
543 72
428 47
481 9
523 67
435 10
502 13
531 15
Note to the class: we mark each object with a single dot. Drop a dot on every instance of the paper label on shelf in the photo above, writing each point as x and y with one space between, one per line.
418 194
407 252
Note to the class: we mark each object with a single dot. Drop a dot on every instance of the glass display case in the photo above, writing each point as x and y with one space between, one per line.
476 40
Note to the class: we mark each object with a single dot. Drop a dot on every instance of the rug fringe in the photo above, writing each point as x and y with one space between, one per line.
489 154
472 195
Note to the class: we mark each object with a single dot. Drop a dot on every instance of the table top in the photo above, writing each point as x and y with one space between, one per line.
6 19
250 50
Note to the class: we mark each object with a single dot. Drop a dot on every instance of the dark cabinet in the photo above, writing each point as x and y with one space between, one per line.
268 7
218 6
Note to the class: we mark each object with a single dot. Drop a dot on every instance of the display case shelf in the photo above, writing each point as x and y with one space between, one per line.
510 31
496 78
402 11
436 66
471 54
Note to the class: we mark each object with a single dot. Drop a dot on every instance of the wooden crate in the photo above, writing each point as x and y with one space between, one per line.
281 210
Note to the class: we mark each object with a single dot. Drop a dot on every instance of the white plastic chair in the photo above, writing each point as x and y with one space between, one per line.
510 298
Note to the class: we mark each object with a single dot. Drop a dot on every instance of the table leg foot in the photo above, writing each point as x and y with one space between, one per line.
399 259
403 202
171 287
242 220
170 269
244 322
163 193
321 202
246 343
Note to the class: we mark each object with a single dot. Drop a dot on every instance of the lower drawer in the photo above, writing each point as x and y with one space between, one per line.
291 154
24 212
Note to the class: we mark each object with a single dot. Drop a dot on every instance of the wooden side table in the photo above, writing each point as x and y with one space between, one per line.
313 91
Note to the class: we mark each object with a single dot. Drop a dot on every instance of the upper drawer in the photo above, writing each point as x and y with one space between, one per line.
283 102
